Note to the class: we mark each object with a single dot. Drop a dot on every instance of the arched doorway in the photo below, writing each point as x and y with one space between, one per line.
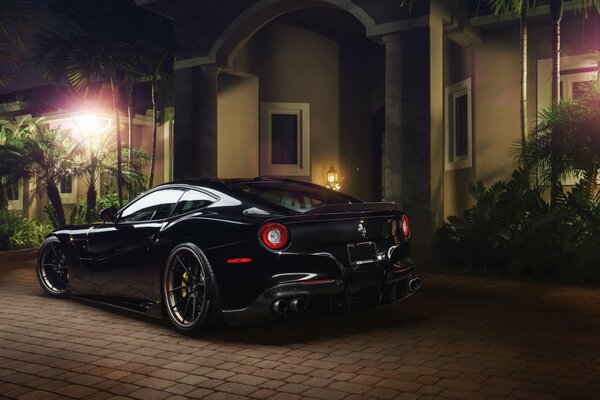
315 61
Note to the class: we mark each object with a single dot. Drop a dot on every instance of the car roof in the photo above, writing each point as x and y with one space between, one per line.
208 181
219 183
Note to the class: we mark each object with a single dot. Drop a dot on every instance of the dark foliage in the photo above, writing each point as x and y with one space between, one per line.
511 228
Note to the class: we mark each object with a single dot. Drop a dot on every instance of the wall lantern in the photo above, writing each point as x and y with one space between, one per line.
334 181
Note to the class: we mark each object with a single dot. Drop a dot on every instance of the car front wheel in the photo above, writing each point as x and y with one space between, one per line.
51 268
190 291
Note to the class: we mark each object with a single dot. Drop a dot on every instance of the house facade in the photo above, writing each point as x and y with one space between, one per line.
409 105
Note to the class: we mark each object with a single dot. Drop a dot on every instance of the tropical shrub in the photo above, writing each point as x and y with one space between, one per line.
108 200
79 214
52 216
18 232
512 229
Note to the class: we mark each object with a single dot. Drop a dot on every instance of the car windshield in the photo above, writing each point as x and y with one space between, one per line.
293 196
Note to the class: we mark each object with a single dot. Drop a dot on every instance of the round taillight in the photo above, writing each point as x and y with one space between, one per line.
275 236
404 226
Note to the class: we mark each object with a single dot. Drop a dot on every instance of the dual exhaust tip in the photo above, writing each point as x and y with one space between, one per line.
298 304
283 306
414 284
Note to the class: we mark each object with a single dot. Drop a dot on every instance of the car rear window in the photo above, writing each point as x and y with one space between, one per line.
292 195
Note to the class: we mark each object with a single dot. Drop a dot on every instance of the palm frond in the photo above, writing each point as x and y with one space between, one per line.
17 17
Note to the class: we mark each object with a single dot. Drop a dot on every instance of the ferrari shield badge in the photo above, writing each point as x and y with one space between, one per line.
362 230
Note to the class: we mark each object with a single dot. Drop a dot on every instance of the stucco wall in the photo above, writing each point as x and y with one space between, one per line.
237 127
458 65
145 141
496 97
299 66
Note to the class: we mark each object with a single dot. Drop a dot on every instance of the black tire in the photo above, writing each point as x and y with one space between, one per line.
190 291
52 269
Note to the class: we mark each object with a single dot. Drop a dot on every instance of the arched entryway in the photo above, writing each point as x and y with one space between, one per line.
316 62
260 13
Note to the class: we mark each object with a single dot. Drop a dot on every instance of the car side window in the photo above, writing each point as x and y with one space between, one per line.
193 200
154 206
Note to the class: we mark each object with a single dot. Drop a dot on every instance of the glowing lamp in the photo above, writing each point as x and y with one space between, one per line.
334 181
91 125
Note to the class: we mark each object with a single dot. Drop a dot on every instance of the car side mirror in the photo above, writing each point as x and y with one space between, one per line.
108 214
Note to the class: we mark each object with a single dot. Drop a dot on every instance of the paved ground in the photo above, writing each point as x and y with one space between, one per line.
459 338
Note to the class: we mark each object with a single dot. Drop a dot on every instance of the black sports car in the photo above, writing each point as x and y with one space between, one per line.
238 251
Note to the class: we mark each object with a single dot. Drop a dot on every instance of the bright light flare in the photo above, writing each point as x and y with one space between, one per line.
92 125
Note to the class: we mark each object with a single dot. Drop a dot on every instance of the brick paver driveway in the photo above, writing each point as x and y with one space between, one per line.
460 338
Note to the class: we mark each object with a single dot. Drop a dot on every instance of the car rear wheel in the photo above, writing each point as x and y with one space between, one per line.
190 291
51 268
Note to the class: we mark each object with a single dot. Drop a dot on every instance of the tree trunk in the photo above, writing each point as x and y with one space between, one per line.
56 202
115 94
556 11
524 5
91 192
129 122
3 196
91 203
154 127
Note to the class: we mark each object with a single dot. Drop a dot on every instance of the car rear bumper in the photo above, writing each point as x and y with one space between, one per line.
323 297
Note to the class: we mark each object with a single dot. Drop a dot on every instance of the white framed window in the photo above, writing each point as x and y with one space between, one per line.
574 84
575 71
14 193
67 186
575 74
458 130
284 139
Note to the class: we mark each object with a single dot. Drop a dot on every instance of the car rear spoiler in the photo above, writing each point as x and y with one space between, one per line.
353 207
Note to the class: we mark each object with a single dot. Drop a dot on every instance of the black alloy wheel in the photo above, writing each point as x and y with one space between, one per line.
51 268
190 292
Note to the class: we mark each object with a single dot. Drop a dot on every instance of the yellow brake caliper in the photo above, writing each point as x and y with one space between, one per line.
184 281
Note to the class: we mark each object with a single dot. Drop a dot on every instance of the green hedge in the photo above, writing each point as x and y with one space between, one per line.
19 232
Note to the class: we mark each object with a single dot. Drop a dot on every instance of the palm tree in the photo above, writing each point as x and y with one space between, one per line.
154 62
134 180
87 48
53 155
17 20
101 161
556 13
14 165
566 141
520 8
81 51
46 155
